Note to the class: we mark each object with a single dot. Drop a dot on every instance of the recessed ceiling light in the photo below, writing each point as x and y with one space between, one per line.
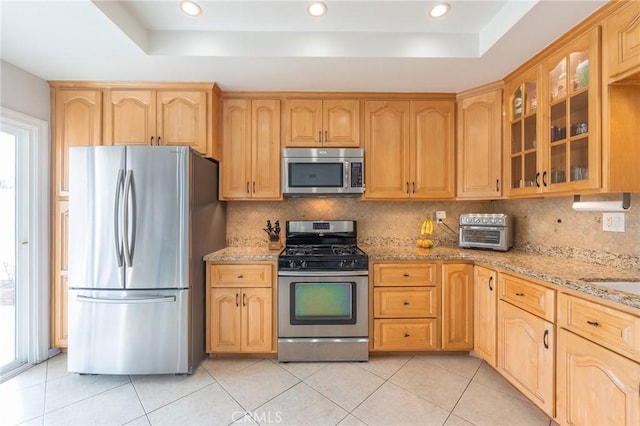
440 10
317 9
191 8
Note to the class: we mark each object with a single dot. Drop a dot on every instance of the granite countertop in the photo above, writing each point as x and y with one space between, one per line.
561 271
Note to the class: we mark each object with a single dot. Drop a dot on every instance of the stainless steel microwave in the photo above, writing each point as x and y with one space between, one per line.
322 172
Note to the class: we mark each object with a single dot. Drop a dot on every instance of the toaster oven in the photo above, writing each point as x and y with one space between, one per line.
486 231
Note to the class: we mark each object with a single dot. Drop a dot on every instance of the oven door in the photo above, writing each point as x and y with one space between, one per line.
491 237
323 304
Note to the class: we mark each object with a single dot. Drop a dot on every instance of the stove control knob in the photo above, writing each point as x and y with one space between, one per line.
292 264
477 220
303 264
353 264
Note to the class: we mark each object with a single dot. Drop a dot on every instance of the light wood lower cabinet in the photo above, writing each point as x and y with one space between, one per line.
405 307
457 306
240 308
596 386
485 314
526 354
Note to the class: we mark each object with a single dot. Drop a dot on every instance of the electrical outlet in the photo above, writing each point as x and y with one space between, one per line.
441 216
613 222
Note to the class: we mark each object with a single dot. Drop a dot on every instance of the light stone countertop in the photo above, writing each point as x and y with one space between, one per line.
561 271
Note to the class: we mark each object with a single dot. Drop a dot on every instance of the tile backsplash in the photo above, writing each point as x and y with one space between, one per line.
547 225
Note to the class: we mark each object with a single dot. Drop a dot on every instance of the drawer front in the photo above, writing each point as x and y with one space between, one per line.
405 302
405 335
531 297
616 330
398 274
250 275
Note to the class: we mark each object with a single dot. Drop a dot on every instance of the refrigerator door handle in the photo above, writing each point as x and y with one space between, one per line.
128 246
129 301
117 242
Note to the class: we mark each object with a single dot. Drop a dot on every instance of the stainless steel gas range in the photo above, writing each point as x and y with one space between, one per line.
323 293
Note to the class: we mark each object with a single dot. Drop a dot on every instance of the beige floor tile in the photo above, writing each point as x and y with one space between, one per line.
160 389
300 405
482 405
72 388
57 367
35 375
462 364
208 406
258 383
457 421
220 368
18 406
491 378
384 366
113 407
140 421
437 385
38 421
352 420
302 370
391 405
345 384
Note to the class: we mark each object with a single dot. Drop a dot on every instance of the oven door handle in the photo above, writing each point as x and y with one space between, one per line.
322 273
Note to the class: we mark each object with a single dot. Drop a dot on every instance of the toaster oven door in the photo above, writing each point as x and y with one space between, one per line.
491 237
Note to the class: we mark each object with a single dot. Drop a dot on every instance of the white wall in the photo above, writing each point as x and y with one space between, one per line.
24 92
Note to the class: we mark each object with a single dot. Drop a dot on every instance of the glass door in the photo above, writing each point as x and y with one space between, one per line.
573 111
523 142
8 355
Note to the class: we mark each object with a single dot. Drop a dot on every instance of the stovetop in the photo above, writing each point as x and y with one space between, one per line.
322 246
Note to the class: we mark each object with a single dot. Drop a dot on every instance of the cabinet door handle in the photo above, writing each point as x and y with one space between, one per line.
159 141
497 185
545 339
406 187
490 281
244 299
519 294
254 186
405 303
151 140
593 323
413 184
319 136
237 304
544 179
537 183
247 187
326 136
407 335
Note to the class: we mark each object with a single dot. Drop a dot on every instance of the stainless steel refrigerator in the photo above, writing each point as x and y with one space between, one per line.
140 221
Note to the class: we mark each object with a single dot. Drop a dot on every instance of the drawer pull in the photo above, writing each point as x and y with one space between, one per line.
519 294
240 276
405 303
405 274
593 323
407 335
545 339
490 281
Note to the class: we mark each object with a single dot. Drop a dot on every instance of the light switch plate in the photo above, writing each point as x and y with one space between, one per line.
613 222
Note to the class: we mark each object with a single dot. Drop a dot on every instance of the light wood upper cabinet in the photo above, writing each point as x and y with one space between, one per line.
77 122
409 150
432 150
479 153
457 306
595 385
485 314
314 123
623 41
159 117
250 165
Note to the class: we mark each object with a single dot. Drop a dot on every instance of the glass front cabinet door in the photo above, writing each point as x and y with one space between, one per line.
572 79
523 145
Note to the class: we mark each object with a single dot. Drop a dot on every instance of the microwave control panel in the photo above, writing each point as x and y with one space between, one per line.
356 175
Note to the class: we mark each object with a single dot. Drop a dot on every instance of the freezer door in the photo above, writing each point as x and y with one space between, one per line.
128 332
156 195
96 181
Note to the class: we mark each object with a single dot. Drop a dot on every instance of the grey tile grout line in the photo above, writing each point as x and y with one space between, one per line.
462 394
139 400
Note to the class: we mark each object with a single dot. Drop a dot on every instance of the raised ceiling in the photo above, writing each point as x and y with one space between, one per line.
275 45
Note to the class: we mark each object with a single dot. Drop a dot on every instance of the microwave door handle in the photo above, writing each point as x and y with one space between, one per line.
347 175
